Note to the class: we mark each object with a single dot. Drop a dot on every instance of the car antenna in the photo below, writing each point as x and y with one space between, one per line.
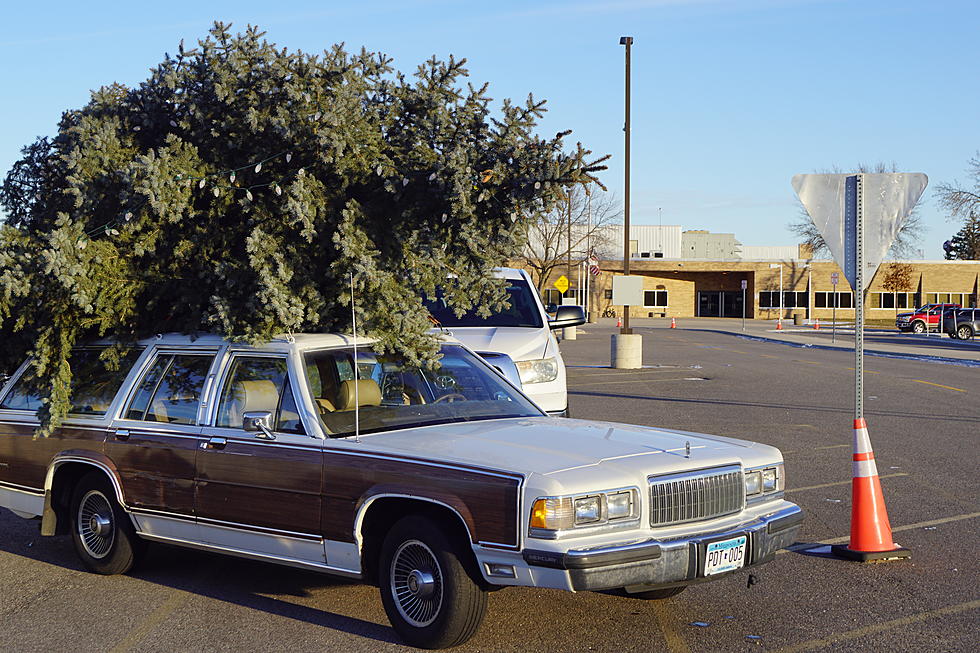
357 401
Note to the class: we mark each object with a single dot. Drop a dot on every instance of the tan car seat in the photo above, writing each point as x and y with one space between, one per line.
368 394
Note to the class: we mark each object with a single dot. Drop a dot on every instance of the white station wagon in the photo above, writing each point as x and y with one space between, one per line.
435 484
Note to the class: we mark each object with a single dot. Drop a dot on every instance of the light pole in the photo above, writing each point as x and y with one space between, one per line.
779 318
628 42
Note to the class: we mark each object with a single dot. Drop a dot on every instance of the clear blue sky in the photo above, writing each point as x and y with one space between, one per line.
730 98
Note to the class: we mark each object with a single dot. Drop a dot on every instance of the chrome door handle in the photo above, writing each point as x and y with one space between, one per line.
121 434
214 443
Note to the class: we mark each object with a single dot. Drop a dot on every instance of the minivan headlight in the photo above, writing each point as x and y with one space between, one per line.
538 371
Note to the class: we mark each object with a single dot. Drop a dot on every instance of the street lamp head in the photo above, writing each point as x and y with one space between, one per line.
626 40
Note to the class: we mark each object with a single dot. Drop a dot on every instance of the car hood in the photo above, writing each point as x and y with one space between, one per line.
542 445
520 343
900 315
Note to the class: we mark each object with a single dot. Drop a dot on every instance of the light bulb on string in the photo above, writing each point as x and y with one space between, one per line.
231 177
278 190
258 167
201 185
216 191
248 195
289 157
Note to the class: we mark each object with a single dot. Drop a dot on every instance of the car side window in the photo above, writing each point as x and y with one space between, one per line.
259 384
170 391
93 385
21 396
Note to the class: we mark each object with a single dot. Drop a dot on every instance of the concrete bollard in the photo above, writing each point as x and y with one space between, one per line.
568 333
627 351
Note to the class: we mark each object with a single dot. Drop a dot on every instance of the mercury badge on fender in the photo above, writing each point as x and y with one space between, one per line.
438 485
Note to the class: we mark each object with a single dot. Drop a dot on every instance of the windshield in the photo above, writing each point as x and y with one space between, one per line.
523 310
392 394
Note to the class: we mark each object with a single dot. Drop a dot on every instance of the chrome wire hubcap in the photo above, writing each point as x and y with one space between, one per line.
416 583
95 528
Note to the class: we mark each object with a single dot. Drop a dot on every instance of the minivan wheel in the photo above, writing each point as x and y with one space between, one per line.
964 332
102 532
918 327
429 597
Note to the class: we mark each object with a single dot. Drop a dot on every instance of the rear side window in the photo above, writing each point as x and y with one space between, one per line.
170 391
93 385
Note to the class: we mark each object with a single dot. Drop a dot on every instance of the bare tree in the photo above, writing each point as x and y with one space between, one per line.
584 217
905 245
899 277
962 203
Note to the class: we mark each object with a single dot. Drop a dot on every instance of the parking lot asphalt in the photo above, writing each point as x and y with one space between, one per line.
923 418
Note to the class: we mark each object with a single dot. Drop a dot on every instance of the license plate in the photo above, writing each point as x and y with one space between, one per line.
726 555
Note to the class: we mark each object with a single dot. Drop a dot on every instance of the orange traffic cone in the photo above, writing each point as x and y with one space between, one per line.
779 324
619 323
871 534
673 324
816 323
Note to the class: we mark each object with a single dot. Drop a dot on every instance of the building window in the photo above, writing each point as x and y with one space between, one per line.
607 294
791 299
823 299
893 300
655 298
552 296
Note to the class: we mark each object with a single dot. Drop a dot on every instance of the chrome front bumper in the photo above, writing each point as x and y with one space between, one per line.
651 563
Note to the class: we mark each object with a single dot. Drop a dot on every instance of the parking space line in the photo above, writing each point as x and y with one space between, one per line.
668 626
634 380
847 482
878 628
938 385
155 619
907 527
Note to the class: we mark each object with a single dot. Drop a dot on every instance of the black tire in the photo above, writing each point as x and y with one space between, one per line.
431 600
964 332
918 327
657 595
102 532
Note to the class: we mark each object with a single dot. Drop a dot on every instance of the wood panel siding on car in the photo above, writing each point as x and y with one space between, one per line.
486 500
264 484
26 458
156 469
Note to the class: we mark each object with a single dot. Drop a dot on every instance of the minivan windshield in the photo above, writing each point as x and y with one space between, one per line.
394 394
523 310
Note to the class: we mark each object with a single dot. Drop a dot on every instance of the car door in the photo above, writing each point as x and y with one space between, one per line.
155 441
257 494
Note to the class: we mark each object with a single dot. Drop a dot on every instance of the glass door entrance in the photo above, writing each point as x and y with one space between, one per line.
719 303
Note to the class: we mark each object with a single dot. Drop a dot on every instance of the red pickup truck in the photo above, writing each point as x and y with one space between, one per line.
926 318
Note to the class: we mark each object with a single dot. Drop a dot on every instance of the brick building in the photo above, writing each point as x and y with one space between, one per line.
705 288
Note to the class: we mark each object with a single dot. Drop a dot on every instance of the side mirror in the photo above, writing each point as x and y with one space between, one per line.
567 316
260 423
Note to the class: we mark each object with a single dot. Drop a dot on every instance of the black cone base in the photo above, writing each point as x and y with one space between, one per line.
841 550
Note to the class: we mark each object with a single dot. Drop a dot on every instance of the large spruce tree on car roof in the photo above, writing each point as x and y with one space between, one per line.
238 188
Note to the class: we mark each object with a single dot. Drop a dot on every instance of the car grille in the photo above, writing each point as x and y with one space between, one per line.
693 496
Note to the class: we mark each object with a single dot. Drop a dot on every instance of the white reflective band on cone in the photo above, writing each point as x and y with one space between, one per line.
864 468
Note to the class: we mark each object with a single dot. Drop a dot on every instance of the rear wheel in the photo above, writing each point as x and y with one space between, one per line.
101 530
964 332
918 327
429 597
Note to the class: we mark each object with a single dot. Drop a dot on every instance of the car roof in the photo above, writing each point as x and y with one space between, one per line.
283 342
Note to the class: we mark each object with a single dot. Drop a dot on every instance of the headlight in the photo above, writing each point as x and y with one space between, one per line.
538 371
552 514
764 480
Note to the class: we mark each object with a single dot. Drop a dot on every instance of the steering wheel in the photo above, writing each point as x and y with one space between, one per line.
451 397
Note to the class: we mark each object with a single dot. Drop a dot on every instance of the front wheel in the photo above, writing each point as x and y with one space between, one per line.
918 327
101 530
429 597
964 332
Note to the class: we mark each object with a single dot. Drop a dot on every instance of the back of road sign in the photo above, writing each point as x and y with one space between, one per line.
886 201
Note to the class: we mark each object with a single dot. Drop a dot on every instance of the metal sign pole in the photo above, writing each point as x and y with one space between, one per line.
854 200
744 285
833 327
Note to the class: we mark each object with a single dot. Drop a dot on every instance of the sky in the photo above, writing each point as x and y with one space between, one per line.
730 99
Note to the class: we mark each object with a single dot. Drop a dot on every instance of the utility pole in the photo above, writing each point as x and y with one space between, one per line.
568 196
628 42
